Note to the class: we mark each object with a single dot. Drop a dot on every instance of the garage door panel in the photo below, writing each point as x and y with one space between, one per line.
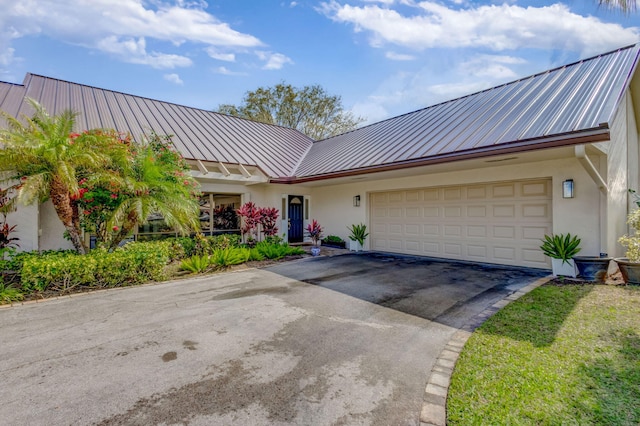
535 210
479 253
540 188
498 223
413 212
508 232
431 211
476 231
504 190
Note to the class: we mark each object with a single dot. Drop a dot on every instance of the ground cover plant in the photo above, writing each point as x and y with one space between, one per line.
562 354
30 275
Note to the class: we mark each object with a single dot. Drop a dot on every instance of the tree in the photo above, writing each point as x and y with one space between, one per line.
156 181
311 110
626 6
41 158
99 180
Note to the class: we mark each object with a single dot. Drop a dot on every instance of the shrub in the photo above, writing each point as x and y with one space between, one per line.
332 239
57 271
9 294
276 251
135 263
187 244
224 241
196 264
230 256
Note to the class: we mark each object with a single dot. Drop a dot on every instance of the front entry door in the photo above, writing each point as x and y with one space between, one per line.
296 219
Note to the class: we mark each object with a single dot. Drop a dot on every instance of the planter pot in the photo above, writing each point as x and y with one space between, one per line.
592 268
315 251
354 246
630 271
563 269
339 245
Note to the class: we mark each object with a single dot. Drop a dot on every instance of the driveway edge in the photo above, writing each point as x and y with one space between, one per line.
434 405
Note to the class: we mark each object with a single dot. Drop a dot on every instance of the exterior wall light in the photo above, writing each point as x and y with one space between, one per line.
568 189
356 201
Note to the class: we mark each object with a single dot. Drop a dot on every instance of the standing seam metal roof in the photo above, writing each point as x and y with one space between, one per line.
570 99
197 134
560 103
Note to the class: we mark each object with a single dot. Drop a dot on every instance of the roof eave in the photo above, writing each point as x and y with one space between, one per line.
598 134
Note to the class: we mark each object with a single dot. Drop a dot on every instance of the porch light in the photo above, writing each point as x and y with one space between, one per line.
356 201
567 188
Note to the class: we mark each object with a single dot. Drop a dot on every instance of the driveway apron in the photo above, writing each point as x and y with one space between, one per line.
334 340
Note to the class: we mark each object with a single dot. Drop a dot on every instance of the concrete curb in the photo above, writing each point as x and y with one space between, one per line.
434 405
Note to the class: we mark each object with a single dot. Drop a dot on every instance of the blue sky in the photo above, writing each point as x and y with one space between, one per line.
383 57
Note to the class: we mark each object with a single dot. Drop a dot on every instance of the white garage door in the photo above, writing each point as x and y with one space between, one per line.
499 222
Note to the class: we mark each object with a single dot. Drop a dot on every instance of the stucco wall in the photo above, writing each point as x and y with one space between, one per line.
333 205
618 176
51 229
26 219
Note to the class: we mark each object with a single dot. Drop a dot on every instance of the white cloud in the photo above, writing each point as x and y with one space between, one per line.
226 71
117 26
274 61
220 56
399 56
135 52
495 27
174 78
495 67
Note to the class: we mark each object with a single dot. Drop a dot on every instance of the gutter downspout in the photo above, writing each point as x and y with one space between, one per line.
581 155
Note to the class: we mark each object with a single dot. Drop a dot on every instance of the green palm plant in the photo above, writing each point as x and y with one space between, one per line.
153 186
41 157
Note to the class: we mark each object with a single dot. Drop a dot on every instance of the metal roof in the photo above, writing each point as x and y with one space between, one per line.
198 134
568 105
559 106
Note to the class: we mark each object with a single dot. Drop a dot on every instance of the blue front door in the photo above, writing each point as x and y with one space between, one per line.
296 218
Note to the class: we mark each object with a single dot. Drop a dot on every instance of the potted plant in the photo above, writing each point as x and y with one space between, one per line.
333 241
630 265
592 268
315 233
358 235
561 249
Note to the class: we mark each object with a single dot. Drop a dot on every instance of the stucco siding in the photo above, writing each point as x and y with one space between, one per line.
26 221
618 178
51 229
333 205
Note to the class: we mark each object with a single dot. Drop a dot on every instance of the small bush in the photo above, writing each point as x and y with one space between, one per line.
224 241
230 256
9 294
276 251
135 263
58 271
196 264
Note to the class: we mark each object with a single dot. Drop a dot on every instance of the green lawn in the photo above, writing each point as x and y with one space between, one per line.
567 354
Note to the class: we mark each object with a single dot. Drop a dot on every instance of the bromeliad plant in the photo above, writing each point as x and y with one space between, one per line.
560 246
315 231
358 233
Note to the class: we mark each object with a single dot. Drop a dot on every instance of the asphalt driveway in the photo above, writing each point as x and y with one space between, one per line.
342 340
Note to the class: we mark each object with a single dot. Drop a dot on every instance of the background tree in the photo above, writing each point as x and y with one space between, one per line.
626 6
311 110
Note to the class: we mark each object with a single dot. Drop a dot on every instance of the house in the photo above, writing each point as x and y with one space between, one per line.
477 178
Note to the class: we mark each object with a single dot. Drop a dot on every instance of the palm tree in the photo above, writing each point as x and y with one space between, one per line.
626 6
157 183
41 159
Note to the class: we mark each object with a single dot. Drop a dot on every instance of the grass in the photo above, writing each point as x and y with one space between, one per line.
566 354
